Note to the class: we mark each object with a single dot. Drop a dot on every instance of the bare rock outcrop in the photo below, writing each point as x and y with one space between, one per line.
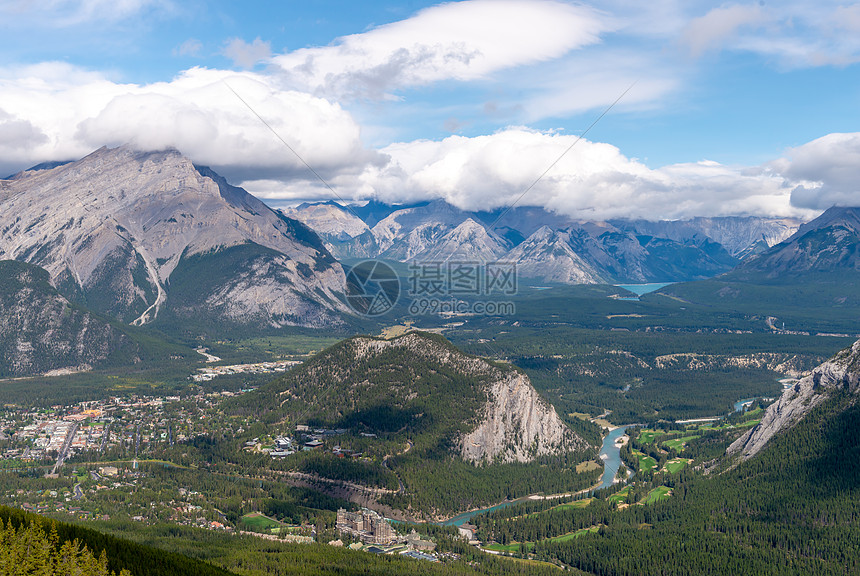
518 425
840 372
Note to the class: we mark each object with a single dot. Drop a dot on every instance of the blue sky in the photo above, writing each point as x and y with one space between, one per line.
736 108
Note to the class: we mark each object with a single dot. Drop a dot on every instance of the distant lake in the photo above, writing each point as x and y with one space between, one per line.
641 289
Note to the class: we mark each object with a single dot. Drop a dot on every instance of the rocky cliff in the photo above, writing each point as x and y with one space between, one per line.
842 372
517 425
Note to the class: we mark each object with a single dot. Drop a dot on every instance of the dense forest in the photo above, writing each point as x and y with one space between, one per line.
39 544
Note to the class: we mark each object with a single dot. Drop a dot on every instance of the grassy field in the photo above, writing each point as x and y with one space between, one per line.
516 547
259 522
646 462
647 436
620 497
572 535
676 465
578 504
512 548
657 494
679 443
587 466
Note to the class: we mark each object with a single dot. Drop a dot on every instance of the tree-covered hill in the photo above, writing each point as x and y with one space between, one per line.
455 430
41 331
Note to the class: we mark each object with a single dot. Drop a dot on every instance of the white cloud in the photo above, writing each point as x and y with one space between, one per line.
458 40
77 111
190 47
64 13
247 55
826 171
592 181
792 33
719 25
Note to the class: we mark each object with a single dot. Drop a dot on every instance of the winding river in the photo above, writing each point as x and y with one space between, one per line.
610 454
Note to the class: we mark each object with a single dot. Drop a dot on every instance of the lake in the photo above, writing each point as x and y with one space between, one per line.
641 289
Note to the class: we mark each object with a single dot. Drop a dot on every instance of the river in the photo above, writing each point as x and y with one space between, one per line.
610 454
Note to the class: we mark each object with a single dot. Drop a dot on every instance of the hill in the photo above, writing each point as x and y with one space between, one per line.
456 431
420 386
839 374
122 555
830 243
788 509
41 331
807 282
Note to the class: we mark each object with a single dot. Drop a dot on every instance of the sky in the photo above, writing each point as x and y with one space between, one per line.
660 110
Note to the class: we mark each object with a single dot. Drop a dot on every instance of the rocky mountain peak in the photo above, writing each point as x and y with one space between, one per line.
112 228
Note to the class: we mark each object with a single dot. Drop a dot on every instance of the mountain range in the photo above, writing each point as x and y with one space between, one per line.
144 237
546 246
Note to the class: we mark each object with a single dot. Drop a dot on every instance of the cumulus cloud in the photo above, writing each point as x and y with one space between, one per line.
458 40
16 134
592 181
77 111
247 55
826 171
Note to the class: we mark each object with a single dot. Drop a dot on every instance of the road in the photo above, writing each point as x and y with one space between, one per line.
402 489
105 438
78 492
136 440
64 451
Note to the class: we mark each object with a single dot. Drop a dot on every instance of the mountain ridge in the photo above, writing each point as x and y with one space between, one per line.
624 251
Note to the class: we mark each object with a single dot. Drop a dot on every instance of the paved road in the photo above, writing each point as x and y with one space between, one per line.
105 438
136 440
64 451
78 492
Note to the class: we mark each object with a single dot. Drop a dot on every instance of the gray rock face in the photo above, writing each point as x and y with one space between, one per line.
740 236
840 372
328 220
549 255
517 426
830 243
112 227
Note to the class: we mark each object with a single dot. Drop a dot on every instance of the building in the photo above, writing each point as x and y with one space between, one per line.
366 525
414 541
